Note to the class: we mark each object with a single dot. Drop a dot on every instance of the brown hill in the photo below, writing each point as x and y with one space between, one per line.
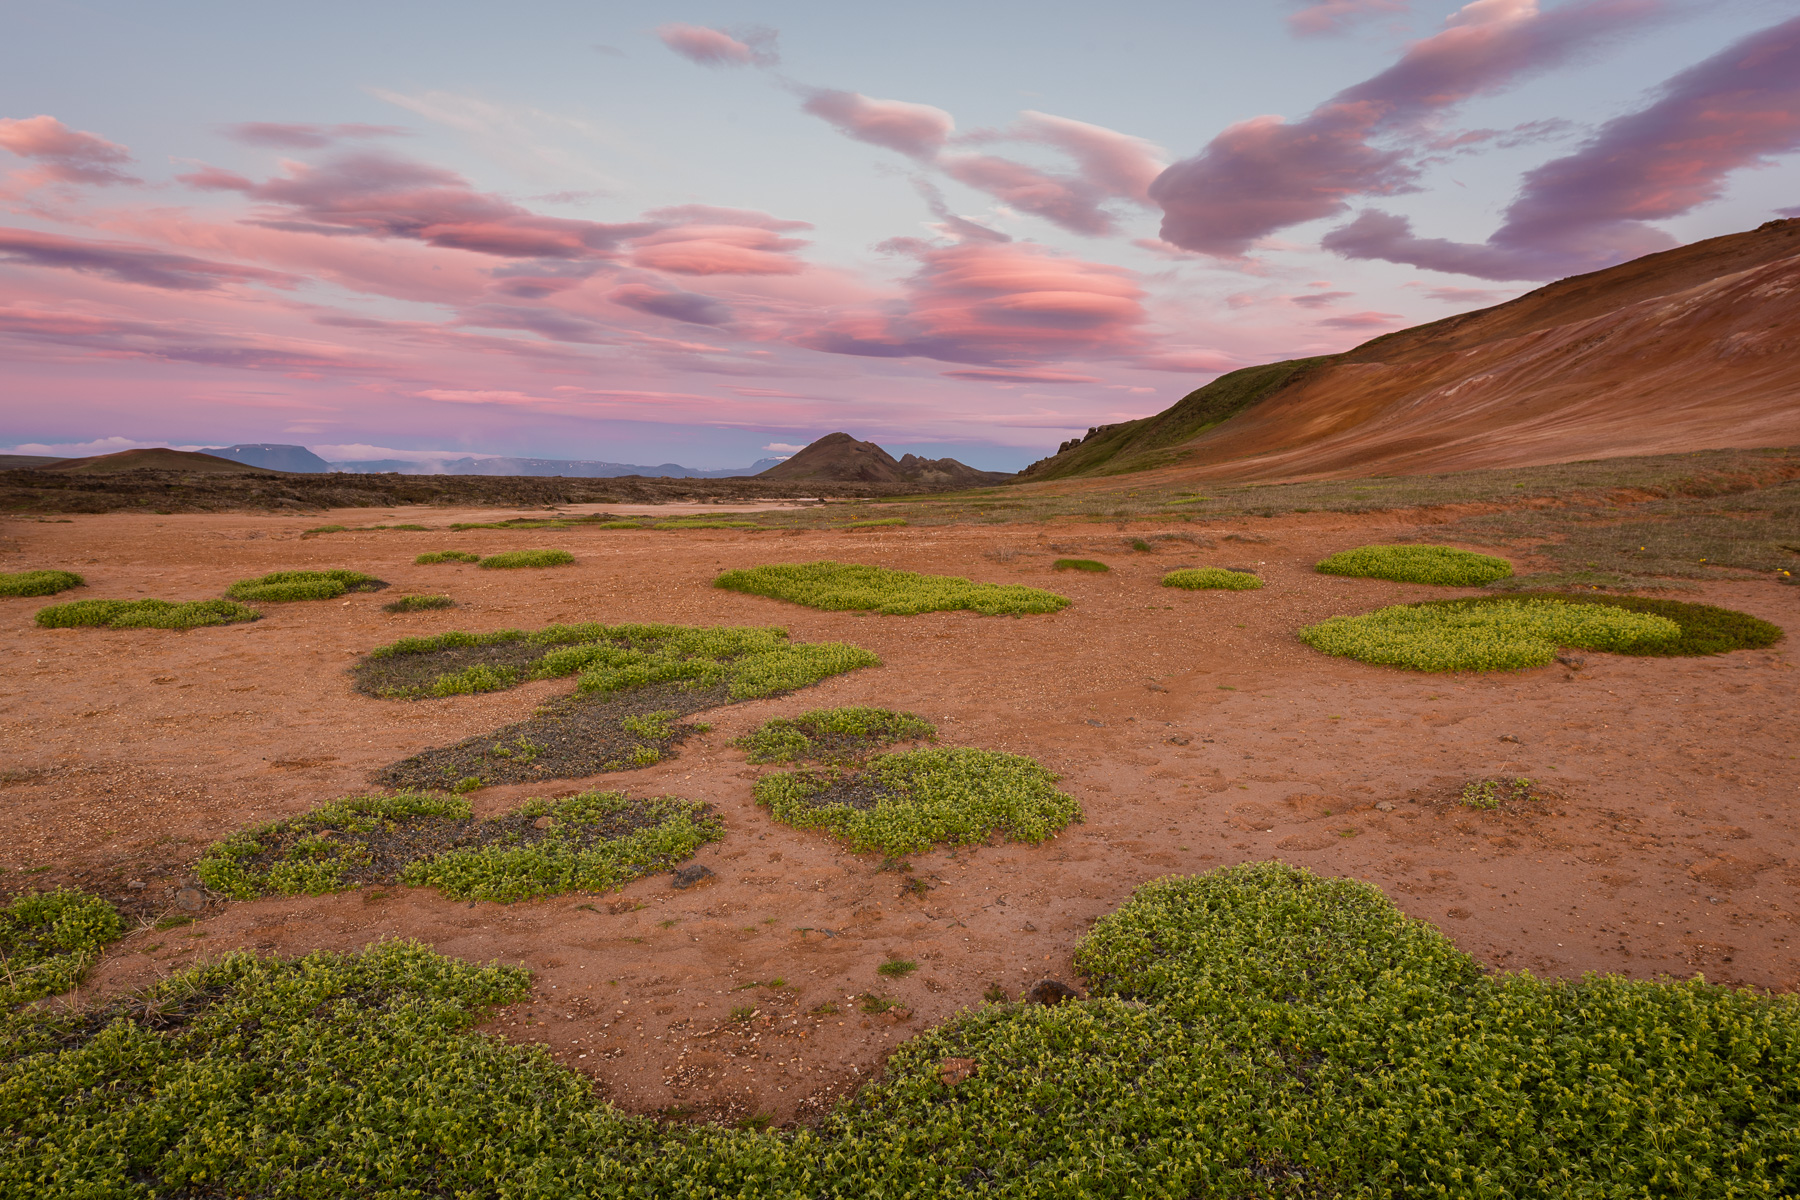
159 458
1693 348
838 457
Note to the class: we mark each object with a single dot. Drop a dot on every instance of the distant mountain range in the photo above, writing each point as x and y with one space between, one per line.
275 457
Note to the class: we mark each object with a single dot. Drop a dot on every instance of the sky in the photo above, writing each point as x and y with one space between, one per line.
709 233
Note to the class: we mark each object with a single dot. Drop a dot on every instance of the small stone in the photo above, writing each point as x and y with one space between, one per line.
192 899
692 875
1385 806
1156 687
136 885
542 823
1572 661
1050 993
1177 739
953 1071
1030 928
1508 737
1091 721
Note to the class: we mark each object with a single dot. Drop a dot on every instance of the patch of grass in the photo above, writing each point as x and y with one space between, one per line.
705 523
283 586
995 994
907 801
873 1003
444 556
838 587
1079 564
1257 1030
1197 578
897 968
832 735
1705 628
1417 564
48 940
1492 793
145 614
592 842
873 522
38 583
513 559
325 529
406 604
1493 634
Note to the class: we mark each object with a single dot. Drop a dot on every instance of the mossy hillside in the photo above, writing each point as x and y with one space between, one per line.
1444 565
592 842
284 586
1500 635
512 560
832 735
38 583
1705 628
1256 1031
48 940
145 614
839 587
443 556
1195 579
907 801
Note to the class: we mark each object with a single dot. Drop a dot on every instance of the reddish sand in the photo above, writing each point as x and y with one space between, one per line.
1193 727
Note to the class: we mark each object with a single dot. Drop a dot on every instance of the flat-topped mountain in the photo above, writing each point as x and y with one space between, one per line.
841 458
157 458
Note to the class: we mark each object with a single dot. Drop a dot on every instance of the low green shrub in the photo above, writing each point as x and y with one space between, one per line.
838 587
874 522
1705 629
406 604
145 614
513 559
1080 564
325 529
908 801
704 523
282 586
1255 1031
595 841
48 940
1418 564
444 556
1490 635
38 583
832 734
1197 578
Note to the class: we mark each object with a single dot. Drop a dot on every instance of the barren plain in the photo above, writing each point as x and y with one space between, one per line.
1194 729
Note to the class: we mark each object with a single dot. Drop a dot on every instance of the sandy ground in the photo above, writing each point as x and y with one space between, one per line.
1193 727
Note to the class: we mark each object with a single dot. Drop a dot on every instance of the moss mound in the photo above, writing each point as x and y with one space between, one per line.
1705 629
1080 564
832 735
839 587
145 614
908 801
406 604
444 556
514 559
1493 635
48 940
1256 1031
283 586
38 583
593 842
1418 564
1200 578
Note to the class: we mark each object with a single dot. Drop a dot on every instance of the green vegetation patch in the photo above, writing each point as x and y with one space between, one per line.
874 522
48 940
592 842
1418 564
513 559
1198 578
281 586
832 735
908 801
444 556
406 604
38 583
1705 628
145 614
837 587
634 683
1080 564
705 523
1255 1031
1493 634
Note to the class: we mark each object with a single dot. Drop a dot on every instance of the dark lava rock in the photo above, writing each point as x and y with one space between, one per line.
1049 992
692 875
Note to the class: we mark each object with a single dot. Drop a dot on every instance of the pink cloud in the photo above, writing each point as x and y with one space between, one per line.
1005 305
1328 18
1189 362
306 137
1319 299
1063 200
713 48
997 375
676 305
130 264
1116 163
717 250
917 130
1463 295
1590 209
67 155
376 195
1361 320
1265 174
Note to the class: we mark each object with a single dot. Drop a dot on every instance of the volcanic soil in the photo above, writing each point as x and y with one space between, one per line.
1194 729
